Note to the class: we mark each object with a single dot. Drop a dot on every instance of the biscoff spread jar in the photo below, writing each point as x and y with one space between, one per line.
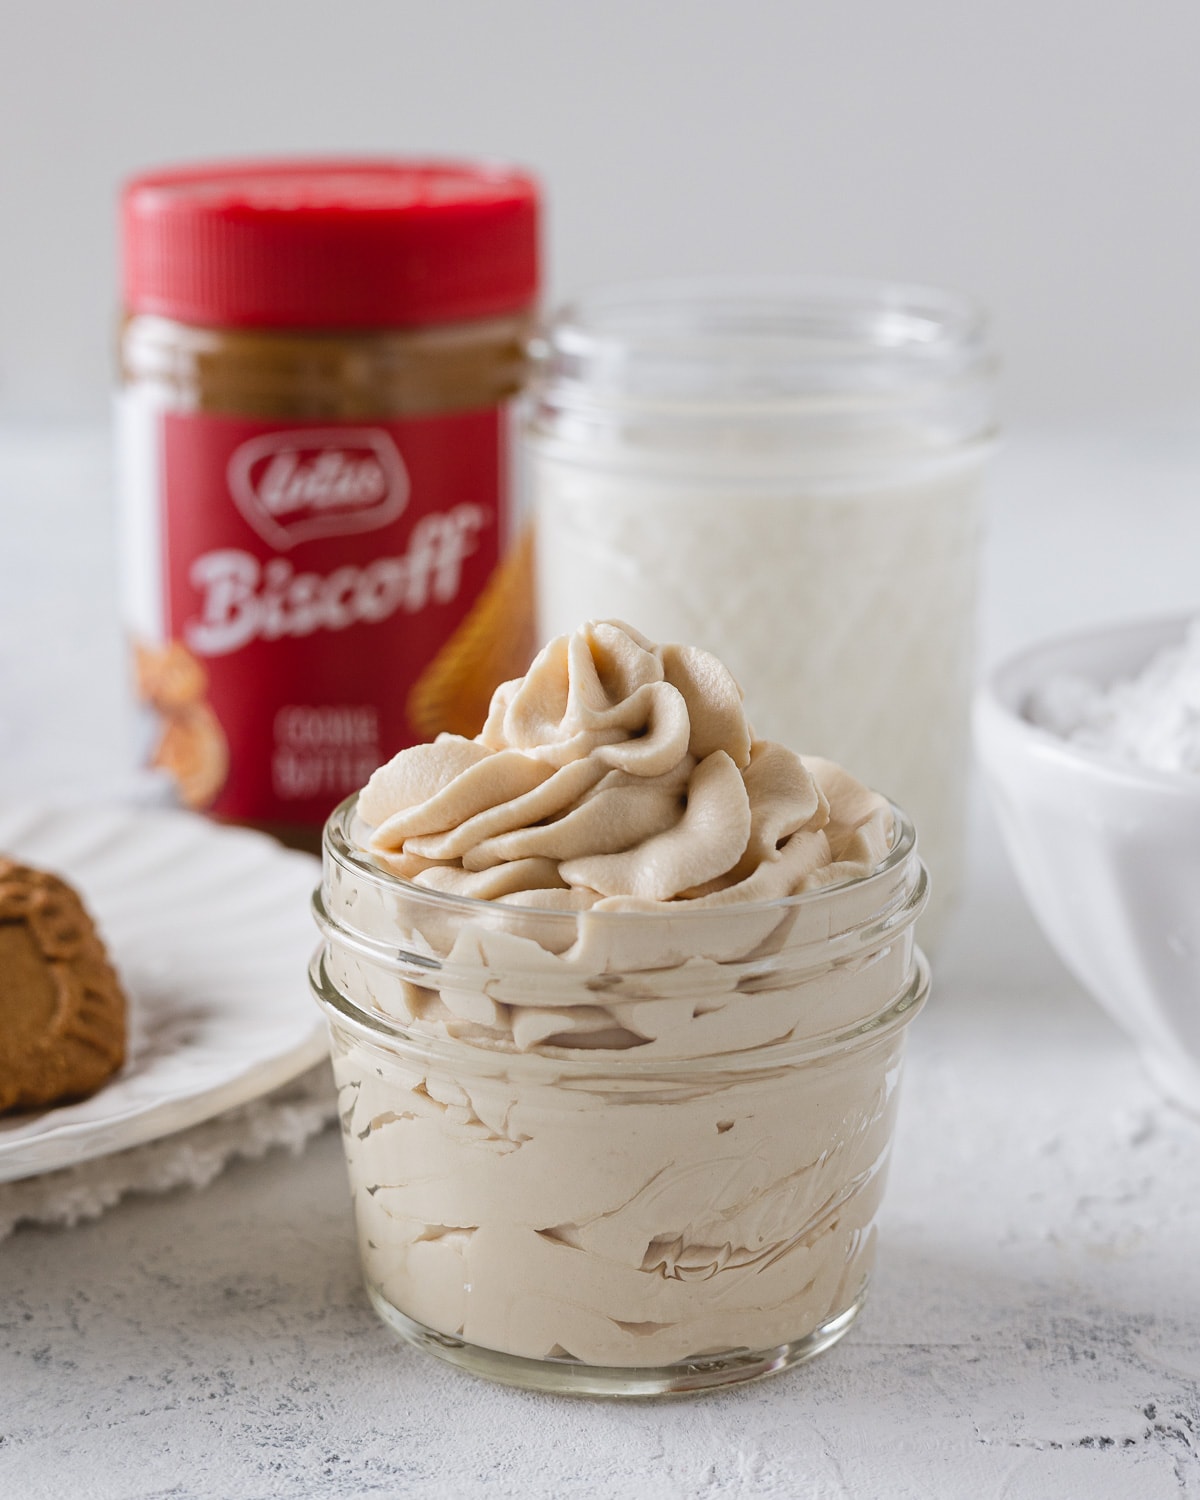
317 360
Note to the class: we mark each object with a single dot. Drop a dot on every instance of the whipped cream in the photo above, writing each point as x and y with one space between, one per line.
619 774
642 982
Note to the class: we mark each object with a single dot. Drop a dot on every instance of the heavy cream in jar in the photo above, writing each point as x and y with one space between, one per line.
789 475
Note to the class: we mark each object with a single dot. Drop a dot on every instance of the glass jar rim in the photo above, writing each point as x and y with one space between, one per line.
767 337
830 940
623 1068
338 847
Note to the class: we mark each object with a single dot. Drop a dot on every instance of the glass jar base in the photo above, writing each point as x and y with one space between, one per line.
565 1377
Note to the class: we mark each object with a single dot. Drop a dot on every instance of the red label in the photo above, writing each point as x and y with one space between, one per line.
311 576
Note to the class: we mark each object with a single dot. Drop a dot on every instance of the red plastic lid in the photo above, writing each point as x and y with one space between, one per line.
357 243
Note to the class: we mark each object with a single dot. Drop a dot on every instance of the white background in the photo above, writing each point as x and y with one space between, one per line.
1042 154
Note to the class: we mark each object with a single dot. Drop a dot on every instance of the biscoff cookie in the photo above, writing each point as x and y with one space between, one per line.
62 1009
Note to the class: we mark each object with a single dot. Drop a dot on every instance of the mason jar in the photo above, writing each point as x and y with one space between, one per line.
617 1153
788 474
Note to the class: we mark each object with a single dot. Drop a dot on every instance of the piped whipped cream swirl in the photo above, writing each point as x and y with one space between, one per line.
620 775
648 1119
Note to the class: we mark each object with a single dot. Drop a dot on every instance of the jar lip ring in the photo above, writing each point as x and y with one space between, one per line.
622 1067
338 848
809 956
771 337
723 297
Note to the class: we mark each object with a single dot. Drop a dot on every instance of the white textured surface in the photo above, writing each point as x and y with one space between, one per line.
287 1116
1034 1331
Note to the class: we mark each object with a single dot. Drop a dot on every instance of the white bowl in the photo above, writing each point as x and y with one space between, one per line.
1108 854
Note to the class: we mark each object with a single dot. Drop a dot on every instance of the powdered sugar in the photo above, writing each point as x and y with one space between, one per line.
1150 720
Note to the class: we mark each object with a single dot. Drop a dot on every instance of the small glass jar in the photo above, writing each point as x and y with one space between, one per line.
613 1153
786 473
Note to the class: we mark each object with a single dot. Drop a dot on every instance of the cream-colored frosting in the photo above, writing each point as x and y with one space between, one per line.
618 773
527 1177
613 1223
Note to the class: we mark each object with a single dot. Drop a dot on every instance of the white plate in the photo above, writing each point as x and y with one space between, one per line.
209 929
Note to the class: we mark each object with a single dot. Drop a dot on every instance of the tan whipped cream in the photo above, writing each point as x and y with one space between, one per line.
603 1144
617 773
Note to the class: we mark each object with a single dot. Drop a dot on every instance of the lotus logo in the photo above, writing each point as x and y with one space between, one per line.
295 486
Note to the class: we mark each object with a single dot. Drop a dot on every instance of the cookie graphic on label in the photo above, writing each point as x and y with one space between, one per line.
191 746
495 642
194 751
168 676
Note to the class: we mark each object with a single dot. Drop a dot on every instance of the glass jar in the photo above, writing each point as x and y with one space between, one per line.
617 1153
786 473
317 364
